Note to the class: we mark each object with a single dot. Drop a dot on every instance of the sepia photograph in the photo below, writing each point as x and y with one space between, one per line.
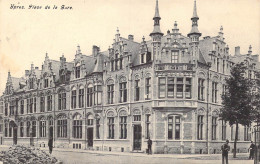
129 82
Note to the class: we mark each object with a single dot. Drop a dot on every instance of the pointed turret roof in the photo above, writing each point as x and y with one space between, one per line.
195 15
156 15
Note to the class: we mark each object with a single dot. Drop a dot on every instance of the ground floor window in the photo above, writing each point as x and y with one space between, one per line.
10 130
21 129
147 125
62 128
174 125
224 129
214 128
28 124
200 128
77 128
111 126
6 129
33 128
97 128
42 128
123 127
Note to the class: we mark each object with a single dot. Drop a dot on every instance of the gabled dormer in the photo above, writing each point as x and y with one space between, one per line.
145 55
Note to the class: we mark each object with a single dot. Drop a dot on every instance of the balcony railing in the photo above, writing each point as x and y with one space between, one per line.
175 67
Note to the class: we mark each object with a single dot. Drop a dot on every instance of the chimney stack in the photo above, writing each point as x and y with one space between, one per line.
26 72
131 37
95 50
237 50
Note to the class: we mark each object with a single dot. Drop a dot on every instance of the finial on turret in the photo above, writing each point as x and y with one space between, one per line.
250 50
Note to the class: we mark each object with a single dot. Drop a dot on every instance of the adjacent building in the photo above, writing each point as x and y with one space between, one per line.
167 88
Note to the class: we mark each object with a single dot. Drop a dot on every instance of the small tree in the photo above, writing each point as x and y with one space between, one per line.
237 105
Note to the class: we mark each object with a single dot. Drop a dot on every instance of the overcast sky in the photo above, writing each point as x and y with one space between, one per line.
26 35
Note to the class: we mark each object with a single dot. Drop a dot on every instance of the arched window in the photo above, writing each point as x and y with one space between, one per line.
42 127
28 125
111 124
62 126
77 126
123 124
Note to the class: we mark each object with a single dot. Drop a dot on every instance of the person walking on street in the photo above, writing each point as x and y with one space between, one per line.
50 144
252 150
149 142
225 148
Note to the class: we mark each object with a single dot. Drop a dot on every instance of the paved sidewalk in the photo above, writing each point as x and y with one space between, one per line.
175 156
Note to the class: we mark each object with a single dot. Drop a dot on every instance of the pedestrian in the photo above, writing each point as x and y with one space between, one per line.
149 143
225 148
252 150
50 144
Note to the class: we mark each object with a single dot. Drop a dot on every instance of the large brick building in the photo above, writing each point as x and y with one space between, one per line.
167 88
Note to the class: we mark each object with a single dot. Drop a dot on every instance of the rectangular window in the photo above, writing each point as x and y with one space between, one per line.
31 105
112 65
170 85
123 92
28 124
33 128
224 130
147 125
247 133
179 93
111 127
73 99
142 58
162 87
22 107
77 128
77 72
148 91
90 93
42 128
6 109
63 100
49 102
175 56
200 128
232 133
137 90
170 127
46 83
11 106
188 88
34 105
217 64
21 129
97 128
214 92
98 94
31 83
201 89
123 127
10 130
223 66
6 129
177 127
42 104
110 94
214 128
81 98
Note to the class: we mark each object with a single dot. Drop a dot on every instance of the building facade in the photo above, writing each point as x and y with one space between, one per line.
167 88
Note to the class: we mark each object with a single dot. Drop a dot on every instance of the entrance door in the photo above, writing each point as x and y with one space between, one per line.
51 132
90 137
137 137
15 135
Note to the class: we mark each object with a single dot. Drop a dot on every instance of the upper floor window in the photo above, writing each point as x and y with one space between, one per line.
31 83
62 100
81 97
73 99
42 104
77 71
22 107
162 87
148 91
179 91
217 64
110 93
214 92
90 97
188 88
123 91
170 86
6 109
142 58
137 90
175 56
201 88
49 102
46 83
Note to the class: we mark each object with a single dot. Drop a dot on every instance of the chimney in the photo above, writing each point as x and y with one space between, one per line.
131 37
26 72
95 50
237 50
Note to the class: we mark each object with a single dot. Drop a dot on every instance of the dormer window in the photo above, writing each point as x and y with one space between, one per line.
77 71
46 83
142 58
